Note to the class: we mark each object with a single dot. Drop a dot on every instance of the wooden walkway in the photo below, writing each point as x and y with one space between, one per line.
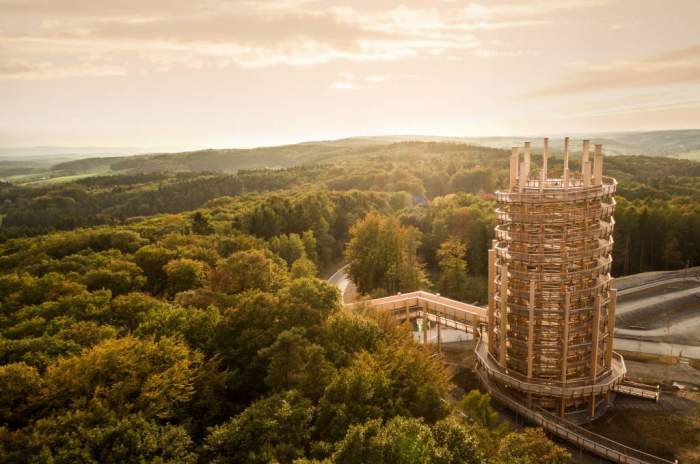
578 436
461 316
436 308
639 390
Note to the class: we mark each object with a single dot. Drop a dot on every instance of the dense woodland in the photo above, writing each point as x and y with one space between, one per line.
181 318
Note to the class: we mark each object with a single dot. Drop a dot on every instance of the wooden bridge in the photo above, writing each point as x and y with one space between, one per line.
429 307
454 314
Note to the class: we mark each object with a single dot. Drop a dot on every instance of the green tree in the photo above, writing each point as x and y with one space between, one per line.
477 407
184 274
289 247
152 259
249 325
123 375
296 363
18 382
200 224
346 333
303 267
475 180
310 245
383 254
454 444
120 277
273 429
530 447
401 440
358 393
307 303
453 268
88 437
250 269
128 311
405 440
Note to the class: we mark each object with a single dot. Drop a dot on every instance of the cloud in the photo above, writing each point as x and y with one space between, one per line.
677 67
71 35
343 86
491 53
643 108
375 79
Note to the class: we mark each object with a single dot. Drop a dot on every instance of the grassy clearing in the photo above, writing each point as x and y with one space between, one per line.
668 435
58 177
693 155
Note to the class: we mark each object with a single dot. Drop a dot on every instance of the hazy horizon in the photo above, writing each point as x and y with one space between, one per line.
246 73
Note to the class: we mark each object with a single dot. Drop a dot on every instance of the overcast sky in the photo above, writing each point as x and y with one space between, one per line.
206 73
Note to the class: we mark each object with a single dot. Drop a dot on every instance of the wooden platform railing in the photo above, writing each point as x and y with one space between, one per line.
435 307
579 436
639 390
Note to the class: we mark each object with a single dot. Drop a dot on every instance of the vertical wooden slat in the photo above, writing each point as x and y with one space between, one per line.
611 328
594 354
492 299
565 347
503 329
531 329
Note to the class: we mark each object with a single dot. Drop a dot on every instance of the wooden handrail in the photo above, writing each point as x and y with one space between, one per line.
590 441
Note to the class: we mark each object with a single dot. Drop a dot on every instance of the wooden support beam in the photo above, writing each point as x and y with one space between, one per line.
503 334
530 337
492 299
565 173
514 164
439 337
595 332
611 328
565 337
585 163
531 329
425 327
565 347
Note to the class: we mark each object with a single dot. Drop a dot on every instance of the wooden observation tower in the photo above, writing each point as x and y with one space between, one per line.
551 311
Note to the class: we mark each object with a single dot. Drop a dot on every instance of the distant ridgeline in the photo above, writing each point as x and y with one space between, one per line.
660 191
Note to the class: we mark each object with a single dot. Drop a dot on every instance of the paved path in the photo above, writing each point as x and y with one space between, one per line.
340 279
625 307
659 348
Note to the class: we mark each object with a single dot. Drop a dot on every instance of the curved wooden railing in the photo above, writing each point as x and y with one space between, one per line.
552 190
579 436
573 388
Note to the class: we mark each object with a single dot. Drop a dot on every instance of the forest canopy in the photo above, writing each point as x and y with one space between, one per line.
181 317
